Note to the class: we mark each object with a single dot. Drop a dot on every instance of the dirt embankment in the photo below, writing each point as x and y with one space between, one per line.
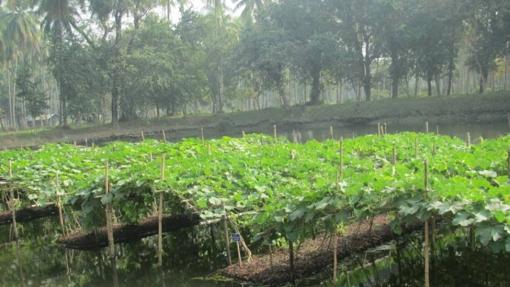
465 110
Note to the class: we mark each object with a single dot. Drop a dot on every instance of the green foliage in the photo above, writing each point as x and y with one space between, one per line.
290 189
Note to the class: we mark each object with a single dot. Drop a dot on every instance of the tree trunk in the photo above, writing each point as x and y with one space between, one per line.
315 97
116 69
394 87
451 66
438 85
291 263
429 86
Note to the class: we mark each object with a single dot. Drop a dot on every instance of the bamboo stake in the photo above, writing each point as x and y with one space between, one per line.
142 135
427 127
239 254
437 130
385 128
468 138
331 132
12 205
202 135
335 232
86 142
164 135
109 221
426 244
379 129
275 132
394 160
59 205
227 238
160 216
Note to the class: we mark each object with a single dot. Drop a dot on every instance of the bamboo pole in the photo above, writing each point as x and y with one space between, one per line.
427 127
379 129
426 247
437 130
59 205
160 216
227 238
335 232
164 135
385 128
275 132
142 135
331 132
468 139
109 219
12 205
394 159
239 254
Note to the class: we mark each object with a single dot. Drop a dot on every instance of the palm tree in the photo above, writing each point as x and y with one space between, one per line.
249 7
58 20
19 37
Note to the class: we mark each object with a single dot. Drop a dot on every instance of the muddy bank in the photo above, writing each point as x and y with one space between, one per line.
486 111
314 255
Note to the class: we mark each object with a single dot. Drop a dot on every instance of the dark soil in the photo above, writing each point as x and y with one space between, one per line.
127 232
314 255
28 214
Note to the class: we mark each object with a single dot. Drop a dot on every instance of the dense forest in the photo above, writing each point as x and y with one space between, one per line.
100 61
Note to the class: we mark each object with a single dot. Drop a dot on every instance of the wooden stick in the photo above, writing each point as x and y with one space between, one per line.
160 216
379 129
275 132
239 254
427 127
437 130
385 128
142 135
331 132
12 205
109 219
335 232
227 238
164 135
426 244
59 205
468 139
394 159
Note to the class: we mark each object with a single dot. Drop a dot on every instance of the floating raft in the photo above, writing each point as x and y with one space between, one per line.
29 213
315 255
128 232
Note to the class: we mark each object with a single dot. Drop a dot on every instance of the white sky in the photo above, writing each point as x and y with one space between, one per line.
200 5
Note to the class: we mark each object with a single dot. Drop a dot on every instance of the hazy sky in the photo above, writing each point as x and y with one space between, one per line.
200 5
